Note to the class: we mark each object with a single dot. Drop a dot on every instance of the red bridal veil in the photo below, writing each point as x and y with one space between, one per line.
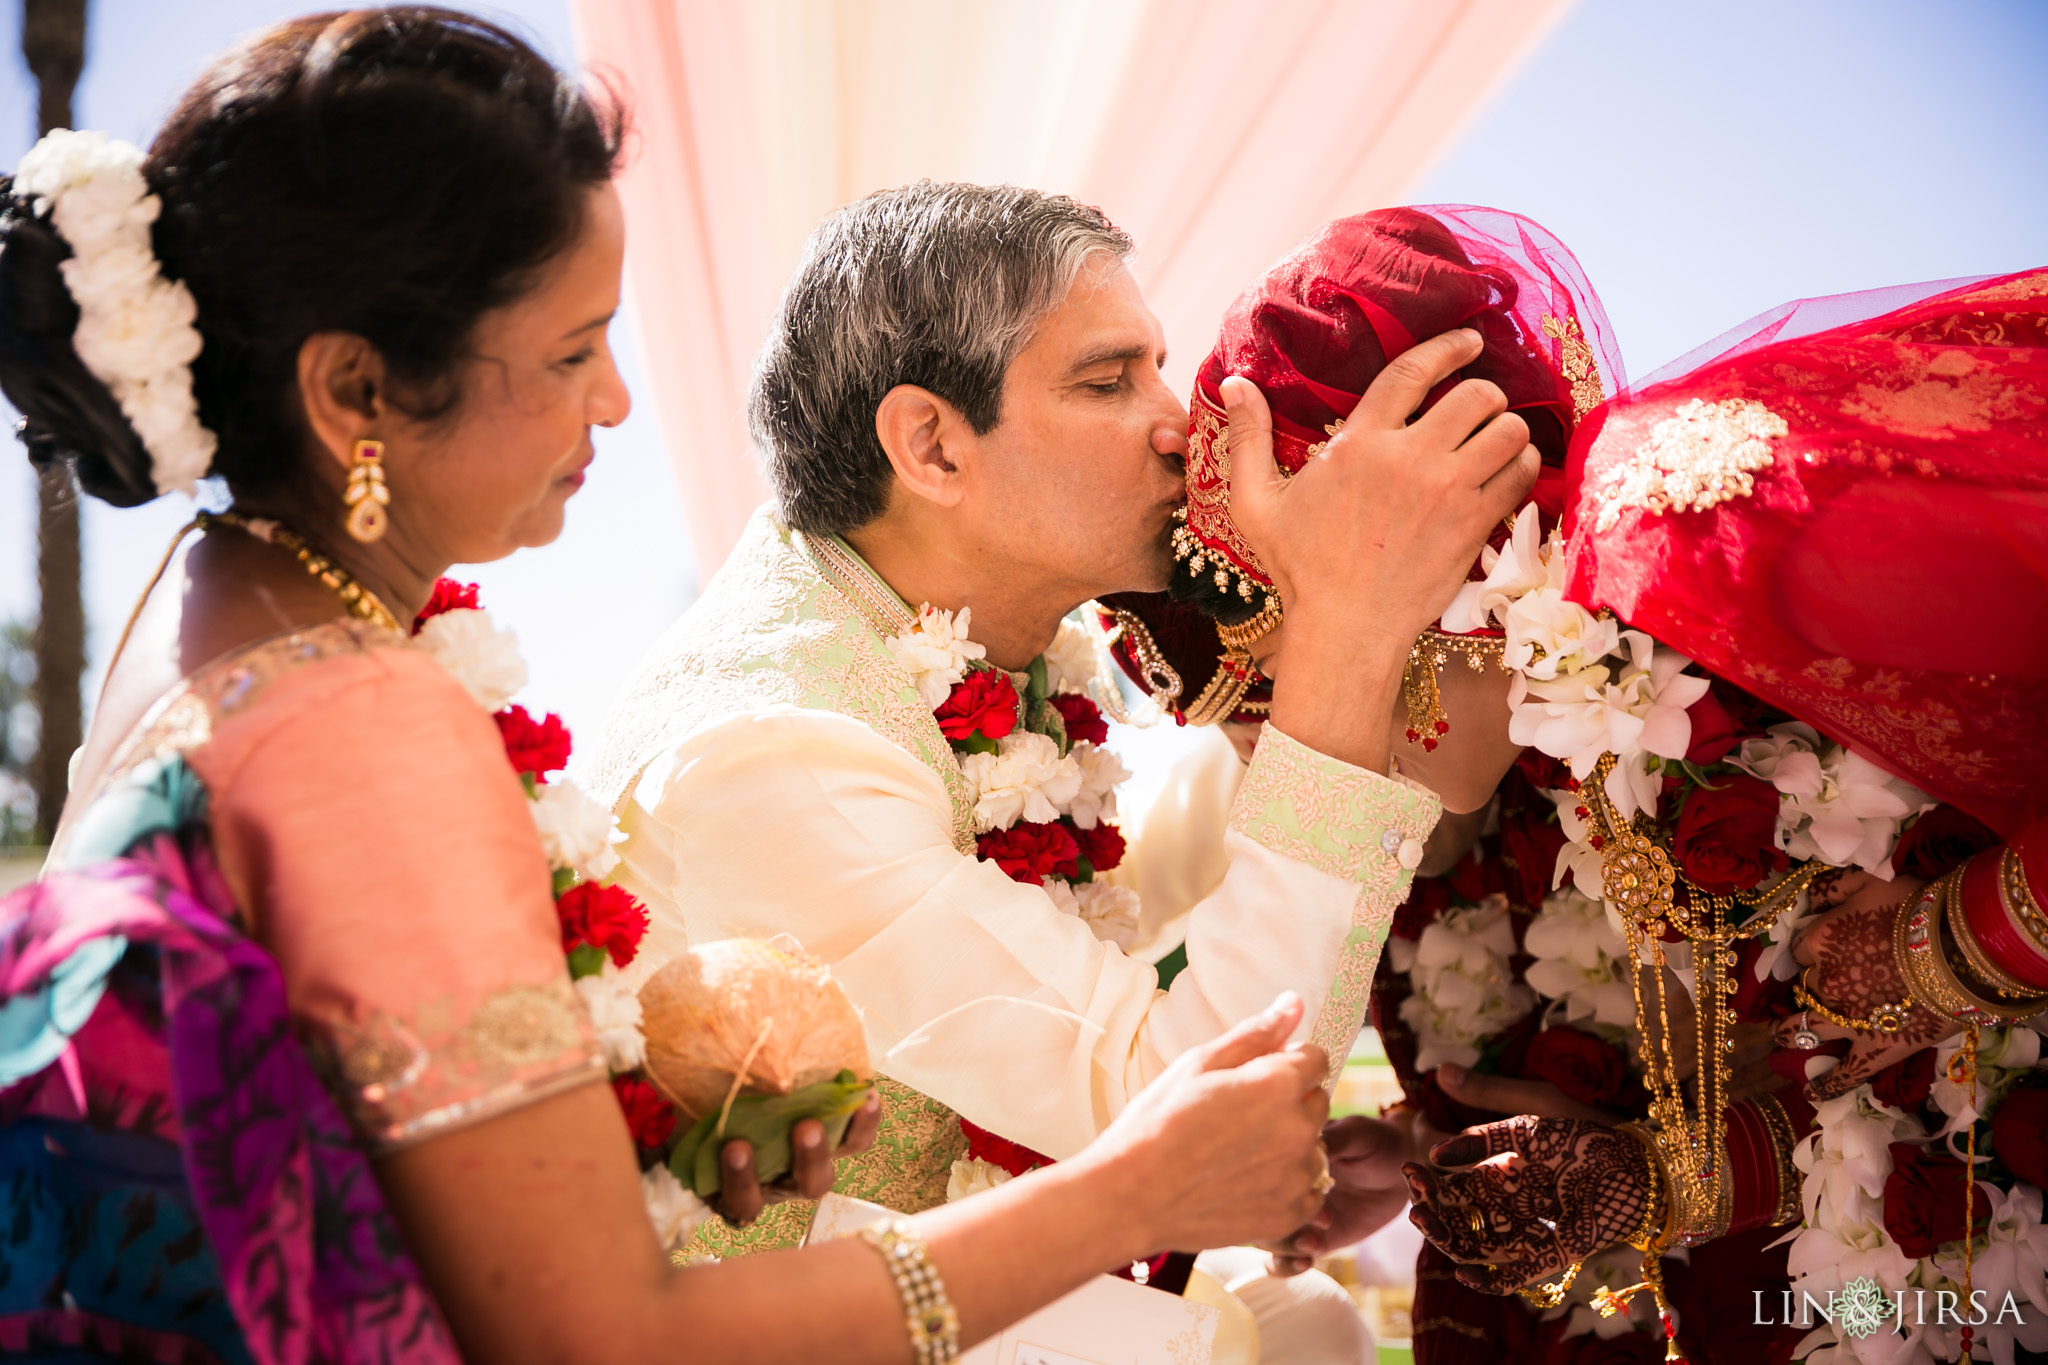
1843 508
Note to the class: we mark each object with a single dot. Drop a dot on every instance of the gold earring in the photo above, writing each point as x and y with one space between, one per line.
367 494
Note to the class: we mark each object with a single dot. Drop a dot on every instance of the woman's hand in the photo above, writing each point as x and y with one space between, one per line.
1225 1146
1366 1156
1854 971
742 1196
1509 1095
1526 1197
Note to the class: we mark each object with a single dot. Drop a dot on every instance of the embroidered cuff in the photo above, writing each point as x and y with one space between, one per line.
1336 818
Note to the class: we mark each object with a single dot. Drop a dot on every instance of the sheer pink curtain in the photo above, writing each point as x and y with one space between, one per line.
1217 131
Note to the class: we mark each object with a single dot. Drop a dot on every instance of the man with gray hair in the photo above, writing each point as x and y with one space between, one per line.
873 732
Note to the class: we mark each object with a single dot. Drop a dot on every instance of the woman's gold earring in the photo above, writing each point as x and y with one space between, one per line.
367 495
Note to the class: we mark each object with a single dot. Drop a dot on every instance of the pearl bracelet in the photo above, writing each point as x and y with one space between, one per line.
928 1314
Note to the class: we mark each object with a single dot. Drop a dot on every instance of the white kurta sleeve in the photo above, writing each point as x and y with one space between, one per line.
978 990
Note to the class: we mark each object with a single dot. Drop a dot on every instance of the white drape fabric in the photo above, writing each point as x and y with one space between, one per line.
1218 132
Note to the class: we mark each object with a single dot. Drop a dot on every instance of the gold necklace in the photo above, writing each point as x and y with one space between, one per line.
362 604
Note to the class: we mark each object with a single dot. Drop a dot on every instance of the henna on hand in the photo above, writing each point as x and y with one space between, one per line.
1527 1197
1854 971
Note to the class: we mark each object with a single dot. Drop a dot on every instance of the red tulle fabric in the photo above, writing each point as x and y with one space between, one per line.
1886 579
1316 330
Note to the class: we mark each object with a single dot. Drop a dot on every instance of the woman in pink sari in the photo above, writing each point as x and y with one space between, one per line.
291 1067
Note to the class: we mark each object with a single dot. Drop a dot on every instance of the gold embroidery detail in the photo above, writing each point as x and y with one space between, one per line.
1330 429
771 630
1581 368
1702 455
523 1025
906 1170
1348 823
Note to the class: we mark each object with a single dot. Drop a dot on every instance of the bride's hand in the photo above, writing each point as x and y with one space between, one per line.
1855 970
1519 1200
742 1196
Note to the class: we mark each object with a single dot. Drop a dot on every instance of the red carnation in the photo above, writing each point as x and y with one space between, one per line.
1585 1068
1726 839
1905 1085
1923 1200
1031 851
1939 841
606 917
536 747
449 595
2019 1133
1000 1152
1083 718
649 1117
1102 846
984 703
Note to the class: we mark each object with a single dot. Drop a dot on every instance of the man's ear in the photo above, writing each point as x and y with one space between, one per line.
928 443
341 386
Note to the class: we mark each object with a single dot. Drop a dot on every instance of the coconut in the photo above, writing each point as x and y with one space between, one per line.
747 1008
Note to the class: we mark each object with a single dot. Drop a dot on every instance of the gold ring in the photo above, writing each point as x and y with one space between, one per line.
1477 1223
1324 1181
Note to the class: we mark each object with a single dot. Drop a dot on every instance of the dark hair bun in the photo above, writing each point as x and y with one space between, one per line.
392 173
66 413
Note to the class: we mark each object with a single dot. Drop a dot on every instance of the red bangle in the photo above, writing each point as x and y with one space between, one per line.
1986 907
1753 1167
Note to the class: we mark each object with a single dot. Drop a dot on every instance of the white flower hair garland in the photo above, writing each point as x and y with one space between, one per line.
135 329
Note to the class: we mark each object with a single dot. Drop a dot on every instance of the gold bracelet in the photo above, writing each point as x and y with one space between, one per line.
1886 1018
1654 1233
1916 943
2020 906
928 1314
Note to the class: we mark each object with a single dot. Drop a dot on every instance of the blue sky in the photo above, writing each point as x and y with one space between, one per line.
1705 161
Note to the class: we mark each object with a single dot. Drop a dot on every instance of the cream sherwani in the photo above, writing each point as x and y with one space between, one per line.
775 771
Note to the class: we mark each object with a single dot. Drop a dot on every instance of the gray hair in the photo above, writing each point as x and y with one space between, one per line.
934 285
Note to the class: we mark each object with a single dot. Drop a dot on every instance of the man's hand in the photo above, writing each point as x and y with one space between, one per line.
1365 1161
742 1196
1367 544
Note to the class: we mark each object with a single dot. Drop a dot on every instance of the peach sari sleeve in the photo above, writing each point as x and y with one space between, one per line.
382 848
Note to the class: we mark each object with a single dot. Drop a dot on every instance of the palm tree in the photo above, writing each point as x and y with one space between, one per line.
53 42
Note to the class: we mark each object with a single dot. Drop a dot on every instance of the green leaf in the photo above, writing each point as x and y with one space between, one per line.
585 959
532 787
765 1121
976 743
564 879
1036 688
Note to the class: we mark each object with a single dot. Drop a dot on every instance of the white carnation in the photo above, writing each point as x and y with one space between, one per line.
575 831
936 652
484 659
674 1210
1101 773
1063 898
1027 778
1071 661
612 996
1111 911
972 1175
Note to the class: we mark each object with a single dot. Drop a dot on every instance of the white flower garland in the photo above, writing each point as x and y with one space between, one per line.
1846 1161
577 834
1463 987
135 329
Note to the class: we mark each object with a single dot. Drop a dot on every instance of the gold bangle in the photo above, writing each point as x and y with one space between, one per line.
1886 1018
933 1324
1240 638
1916 943
1653 1234
2020 906
1977 964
